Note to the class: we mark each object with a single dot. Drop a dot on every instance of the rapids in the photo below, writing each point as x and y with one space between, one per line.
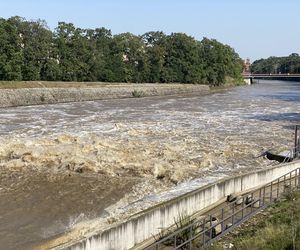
64 164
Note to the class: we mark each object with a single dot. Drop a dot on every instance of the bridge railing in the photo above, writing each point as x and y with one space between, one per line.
251 75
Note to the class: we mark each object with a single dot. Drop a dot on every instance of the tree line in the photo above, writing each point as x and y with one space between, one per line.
29 51
277 65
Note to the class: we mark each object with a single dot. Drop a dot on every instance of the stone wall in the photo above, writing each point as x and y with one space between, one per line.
144 225
35 96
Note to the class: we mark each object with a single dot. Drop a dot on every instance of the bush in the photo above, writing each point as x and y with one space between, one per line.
137 93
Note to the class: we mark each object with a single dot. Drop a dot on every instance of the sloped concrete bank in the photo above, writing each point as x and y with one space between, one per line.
144 225
35 96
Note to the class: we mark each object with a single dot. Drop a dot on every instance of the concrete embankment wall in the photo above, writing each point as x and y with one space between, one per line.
35 96
144 225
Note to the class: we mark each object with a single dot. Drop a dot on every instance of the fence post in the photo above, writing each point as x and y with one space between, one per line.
298 148
260 203
298 177
243 210
175 243
278 187
210 230
232 218
284 179
296 142
271 191
191 236
264 195
252 203
222 224
203 232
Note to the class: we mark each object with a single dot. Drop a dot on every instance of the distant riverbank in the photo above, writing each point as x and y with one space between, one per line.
35 93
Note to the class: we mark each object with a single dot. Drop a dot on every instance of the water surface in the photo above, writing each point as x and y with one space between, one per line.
64 163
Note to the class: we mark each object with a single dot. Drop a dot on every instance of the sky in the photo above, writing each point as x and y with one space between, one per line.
254 28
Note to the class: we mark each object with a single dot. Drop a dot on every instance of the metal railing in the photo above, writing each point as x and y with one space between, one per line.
293 153
283 75
202 231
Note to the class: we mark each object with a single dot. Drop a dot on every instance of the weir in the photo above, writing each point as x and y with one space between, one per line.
37 96
144 225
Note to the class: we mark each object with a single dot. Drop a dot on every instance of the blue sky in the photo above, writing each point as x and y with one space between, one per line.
254 28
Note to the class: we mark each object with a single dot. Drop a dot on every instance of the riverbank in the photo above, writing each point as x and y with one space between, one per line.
278 227
35 93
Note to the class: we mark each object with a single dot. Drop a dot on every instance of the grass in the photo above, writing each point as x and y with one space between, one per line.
181 222
276 228
137 93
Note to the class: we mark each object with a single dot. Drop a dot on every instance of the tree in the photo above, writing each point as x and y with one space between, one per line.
36 40
182 60
11 49
220 61
131 50
64 37
30 51
155 49
272 65
100 41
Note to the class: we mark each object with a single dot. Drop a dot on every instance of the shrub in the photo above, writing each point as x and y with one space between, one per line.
137 93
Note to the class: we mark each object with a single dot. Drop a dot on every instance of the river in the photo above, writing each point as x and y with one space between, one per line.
65 164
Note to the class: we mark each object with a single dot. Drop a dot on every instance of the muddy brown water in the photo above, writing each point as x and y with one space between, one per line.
65 163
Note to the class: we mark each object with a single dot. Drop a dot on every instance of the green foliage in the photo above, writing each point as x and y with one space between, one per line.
137 93
30 51
221 61
42 98
11 56
181 222
276 65
281 229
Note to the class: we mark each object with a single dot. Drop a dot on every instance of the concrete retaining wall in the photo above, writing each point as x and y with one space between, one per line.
143 225
34 96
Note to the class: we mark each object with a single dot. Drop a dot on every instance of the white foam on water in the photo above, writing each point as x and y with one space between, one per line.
163 141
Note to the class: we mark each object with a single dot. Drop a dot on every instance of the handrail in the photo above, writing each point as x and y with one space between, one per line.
265 197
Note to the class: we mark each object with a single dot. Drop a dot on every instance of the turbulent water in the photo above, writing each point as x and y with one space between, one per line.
67 163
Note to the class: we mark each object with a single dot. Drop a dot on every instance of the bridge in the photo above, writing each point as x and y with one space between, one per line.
248 77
